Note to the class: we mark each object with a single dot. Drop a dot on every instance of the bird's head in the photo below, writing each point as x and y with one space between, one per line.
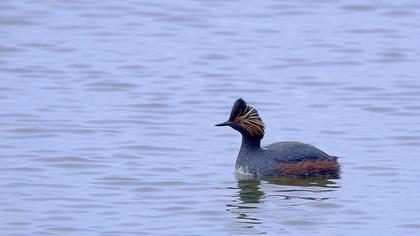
245 119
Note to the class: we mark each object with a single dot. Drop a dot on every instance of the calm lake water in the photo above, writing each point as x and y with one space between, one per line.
107 114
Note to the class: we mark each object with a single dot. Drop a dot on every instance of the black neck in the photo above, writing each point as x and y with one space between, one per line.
250 143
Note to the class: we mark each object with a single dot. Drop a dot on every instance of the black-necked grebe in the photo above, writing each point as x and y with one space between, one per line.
278 159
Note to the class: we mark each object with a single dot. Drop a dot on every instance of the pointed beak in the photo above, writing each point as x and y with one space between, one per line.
226 123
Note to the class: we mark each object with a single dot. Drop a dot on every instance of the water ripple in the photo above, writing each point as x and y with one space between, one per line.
107 113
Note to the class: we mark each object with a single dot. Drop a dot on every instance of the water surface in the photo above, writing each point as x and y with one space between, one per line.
107 113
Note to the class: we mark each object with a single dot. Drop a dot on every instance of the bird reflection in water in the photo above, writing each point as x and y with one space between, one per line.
248 200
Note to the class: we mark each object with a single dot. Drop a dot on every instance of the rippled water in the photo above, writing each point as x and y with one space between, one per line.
107 113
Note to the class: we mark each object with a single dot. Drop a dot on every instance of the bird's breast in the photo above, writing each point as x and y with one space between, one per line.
243 170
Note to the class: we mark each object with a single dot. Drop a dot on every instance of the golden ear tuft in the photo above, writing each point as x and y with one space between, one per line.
250 120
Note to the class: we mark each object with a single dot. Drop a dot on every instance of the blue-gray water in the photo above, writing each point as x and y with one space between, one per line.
107 111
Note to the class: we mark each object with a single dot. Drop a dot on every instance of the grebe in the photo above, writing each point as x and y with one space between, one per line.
289 158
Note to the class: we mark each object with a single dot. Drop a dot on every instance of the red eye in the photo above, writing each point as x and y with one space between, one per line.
237 119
